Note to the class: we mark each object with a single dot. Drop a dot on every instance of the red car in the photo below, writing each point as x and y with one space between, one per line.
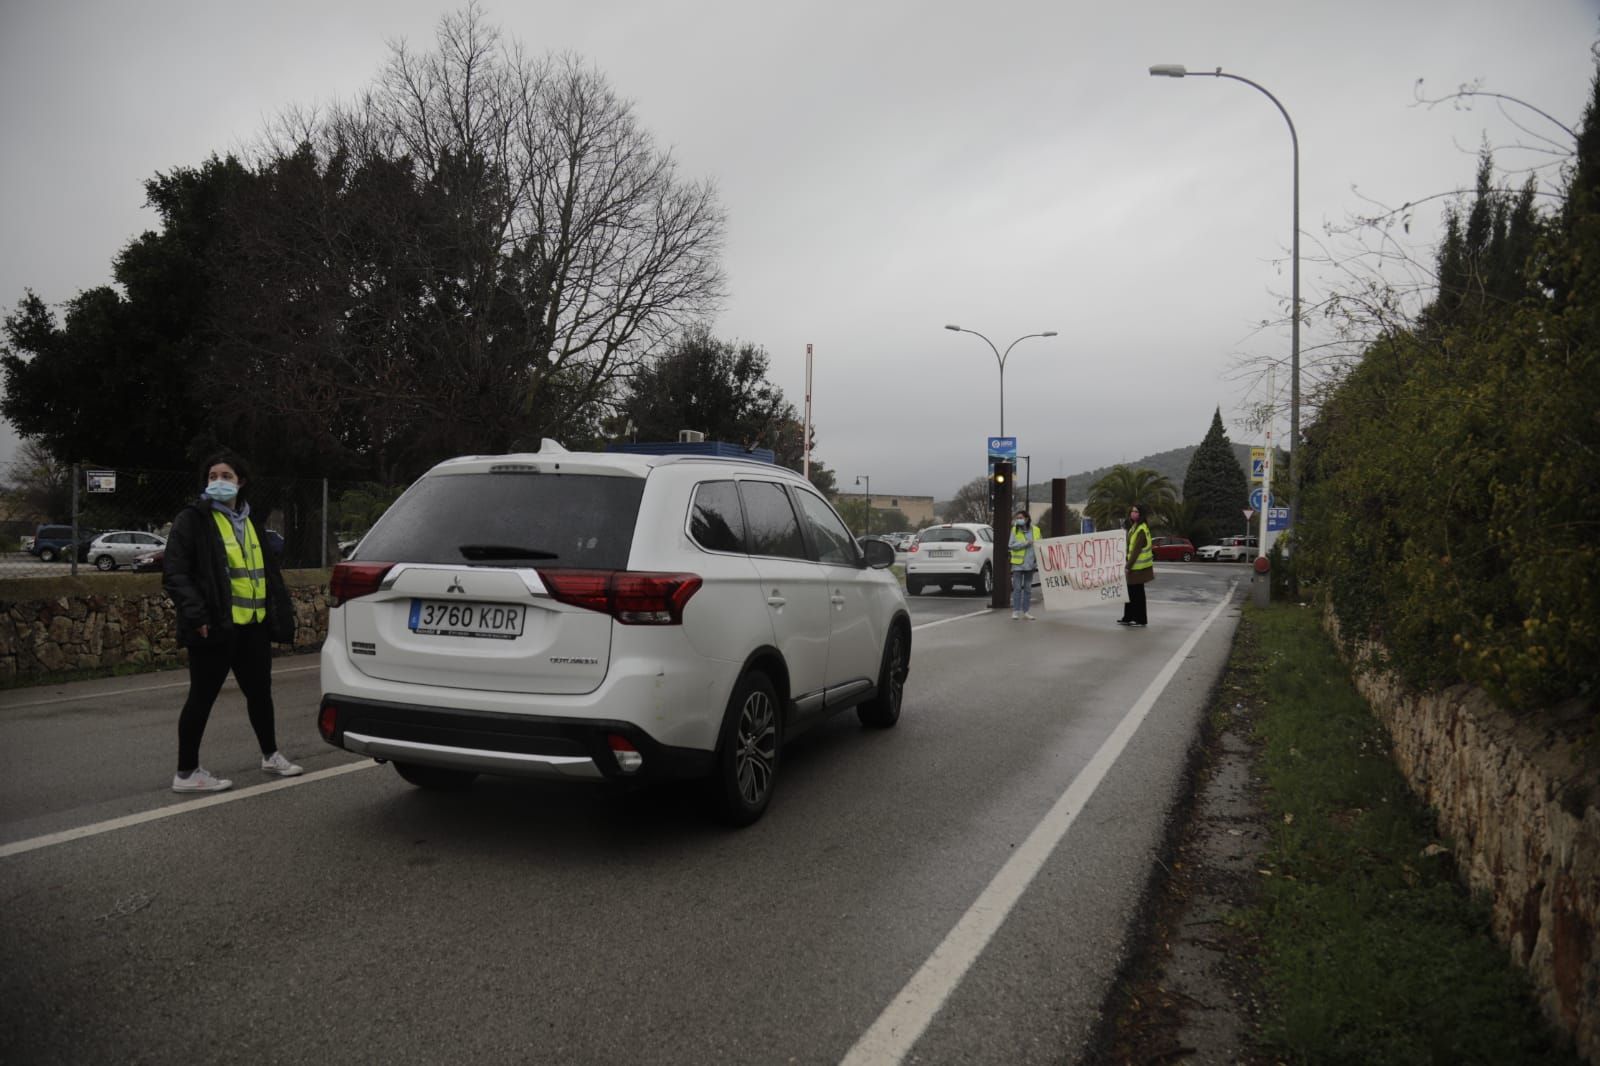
1172 549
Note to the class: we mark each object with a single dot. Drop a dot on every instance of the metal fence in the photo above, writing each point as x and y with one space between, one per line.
45 511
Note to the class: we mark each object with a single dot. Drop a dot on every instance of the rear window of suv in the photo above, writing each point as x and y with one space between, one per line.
580 520
958 536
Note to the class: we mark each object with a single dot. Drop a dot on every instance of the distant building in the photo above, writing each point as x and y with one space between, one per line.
917 508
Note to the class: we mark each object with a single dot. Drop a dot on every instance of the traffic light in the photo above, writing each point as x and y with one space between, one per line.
1000 482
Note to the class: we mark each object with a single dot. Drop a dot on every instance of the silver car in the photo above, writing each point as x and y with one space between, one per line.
122 548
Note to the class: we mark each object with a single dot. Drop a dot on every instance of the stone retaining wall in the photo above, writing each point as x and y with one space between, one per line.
1523 811
56 624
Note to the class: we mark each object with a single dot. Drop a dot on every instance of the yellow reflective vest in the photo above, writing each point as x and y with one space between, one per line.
1019 545
247 571
1147 556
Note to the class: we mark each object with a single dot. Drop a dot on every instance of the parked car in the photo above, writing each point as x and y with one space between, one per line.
52 542
956 553
122 548
1172 549
1236 549
151 560
608 617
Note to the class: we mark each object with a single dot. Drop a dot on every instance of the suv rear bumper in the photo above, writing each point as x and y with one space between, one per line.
565 749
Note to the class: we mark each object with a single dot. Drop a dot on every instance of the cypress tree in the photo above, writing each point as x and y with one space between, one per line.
1216 483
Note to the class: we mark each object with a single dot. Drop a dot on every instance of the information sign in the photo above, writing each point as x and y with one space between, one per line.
1258 465
101 480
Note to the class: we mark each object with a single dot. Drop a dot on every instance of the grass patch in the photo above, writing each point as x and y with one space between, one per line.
1372 951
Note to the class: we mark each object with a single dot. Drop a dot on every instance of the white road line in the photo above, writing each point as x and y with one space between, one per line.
956 618
7 706
172 811
903 1022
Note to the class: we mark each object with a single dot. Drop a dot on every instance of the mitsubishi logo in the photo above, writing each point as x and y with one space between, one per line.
455 586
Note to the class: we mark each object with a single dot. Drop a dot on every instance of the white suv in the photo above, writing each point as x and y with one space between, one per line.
957 553
608 617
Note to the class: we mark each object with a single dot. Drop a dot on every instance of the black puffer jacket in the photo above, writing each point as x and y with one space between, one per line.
195 577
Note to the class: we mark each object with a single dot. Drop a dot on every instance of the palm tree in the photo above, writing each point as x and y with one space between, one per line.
1112 495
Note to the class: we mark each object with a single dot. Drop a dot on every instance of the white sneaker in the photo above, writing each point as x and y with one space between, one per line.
199 780
1015 615
1027 616
281 766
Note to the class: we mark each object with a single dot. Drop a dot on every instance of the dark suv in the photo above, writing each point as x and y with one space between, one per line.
52 542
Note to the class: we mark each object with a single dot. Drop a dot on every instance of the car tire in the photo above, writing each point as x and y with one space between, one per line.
1187 556
436 778
748 752
985 585
882 711
913 587
47 555
105 563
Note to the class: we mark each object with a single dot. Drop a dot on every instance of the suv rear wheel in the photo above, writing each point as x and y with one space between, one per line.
439 778
47 555
985 583
747 756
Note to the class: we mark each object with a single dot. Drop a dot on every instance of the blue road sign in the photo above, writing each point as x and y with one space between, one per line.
1002 447
1277 519
1086 525
1255 500
1258 469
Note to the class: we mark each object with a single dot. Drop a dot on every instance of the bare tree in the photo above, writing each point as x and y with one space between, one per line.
466 258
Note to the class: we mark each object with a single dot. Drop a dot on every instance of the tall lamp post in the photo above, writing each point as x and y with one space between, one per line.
868 479
1001 359
1178 70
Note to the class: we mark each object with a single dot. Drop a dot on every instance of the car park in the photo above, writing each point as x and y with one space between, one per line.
122 548
956 553
1173 549
610 618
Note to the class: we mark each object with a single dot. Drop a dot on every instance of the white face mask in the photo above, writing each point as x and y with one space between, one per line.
222 490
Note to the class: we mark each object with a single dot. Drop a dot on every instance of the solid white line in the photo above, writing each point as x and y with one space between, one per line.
173 810
955 618
903 1022
5 706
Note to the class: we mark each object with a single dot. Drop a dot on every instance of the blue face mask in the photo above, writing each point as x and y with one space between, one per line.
222 491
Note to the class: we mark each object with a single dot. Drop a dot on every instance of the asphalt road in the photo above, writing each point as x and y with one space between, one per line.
953 890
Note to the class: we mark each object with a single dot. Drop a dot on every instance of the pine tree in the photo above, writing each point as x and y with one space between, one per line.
1216 483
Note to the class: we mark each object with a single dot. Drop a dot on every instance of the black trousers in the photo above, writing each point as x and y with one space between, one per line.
1133 610
248 653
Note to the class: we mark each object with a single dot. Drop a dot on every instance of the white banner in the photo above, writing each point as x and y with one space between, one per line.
1088 570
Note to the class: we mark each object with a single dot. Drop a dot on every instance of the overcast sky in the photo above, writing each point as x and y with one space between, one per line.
887 168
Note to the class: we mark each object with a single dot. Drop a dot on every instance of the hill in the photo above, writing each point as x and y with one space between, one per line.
1174 464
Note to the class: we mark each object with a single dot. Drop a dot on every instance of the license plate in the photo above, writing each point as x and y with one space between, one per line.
495 621
936 554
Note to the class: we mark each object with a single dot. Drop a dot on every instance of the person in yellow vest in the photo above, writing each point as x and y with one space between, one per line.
1023 564
231 605
1141 567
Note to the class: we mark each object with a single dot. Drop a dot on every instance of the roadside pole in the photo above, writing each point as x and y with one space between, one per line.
72 549
1004 471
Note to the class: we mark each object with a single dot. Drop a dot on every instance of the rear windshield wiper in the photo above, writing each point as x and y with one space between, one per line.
503 551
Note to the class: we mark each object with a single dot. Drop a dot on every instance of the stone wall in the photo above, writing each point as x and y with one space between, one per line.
57 624
1522 808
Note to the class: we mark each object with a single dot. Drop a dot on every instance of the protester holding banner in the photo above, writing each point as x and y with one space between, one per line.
1141 567
1024 561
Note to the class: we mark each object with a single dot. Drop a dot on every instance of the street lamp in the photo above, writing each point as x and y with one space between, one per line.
1178 70
868 479
1001 359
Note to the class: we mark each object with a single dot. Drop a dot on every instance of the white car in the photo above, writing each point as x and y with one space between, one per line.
608 617
1237 549
122 548
956 553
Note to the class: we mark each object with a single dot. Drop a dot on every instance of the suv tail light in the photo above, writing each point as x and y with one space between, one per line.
634 598
913 547
353 580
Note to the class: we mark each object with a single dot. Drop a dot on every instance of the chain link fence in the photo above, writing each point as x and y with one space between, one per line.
87 520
